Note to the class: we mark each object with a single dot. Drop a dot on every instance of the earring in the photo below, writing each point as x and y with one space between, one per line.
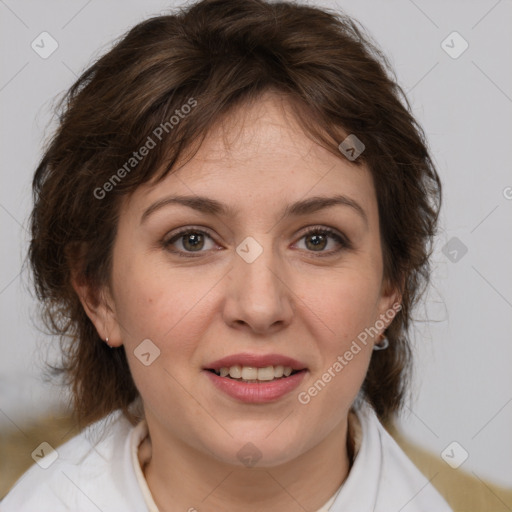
383 345
106 341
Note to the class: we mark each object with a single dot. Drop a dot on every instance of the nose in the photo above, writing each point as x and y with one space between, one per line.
259 294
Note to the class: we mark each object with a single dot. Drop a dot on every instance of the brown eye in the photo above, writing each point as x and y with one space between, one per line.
193 241
318 239
189 241
316 242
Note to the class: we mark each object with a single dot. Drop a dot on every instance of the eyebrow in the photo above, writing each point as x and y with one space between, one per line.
213 207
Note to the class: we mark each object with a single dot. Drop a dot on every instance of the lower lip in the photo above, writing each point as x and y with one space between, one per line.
256 392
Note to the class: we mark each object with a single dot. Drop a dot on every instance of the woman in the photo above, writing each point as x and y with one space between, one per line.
231 226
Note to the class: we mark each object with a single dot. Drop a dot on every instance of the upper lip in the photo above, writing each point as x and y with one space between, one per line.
255 360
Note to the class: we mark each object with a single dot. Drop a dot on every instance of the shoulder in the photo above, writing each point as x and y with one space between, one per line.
402 481
382 477
91 471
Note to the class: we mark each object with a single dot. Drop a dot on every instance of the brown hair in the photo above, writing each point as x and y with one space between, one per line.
214 56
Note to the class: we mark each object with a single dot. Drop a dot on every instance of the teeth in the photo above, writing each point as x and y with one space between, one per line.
235 372
253 374
249 373
266 373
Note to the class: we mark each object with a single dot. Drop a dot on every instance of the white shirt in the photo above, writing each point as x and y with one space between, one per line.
99 470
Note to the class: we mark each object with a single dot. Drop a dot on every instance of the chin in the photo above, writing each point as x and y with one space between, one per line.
259 451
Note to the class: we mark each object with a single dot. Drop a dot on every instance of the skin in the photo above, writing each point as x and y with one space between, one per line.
288 301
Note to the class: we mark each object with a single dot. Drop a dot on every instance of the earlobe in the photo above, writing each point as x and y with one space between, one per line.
99 307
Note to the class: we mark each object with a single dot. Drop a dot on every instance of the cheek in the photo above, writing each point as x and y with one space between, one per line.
170 308
345 302
172 312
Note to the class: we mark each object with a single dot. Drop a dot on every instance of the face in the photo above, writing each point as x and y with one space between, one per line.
275 280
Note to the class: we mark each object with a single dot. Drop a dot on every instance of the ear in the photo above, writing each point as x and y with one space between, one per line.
389 303
100 308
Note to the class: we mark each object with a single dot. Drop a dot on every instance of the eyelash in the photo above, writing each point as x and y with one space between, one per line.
344 242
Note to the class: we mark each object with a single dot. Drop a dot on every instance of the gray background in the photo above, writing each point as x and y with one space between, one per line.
463 385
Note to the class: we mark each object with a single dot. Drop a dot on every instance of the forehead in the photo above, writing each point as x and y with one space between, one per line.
260 153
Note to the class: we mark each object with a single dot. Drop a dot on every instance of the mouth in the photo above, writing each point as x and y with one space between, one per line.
256 378
252 374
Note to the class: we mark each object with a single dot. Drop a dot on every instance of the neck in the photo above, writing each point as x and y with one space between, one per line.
182 478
